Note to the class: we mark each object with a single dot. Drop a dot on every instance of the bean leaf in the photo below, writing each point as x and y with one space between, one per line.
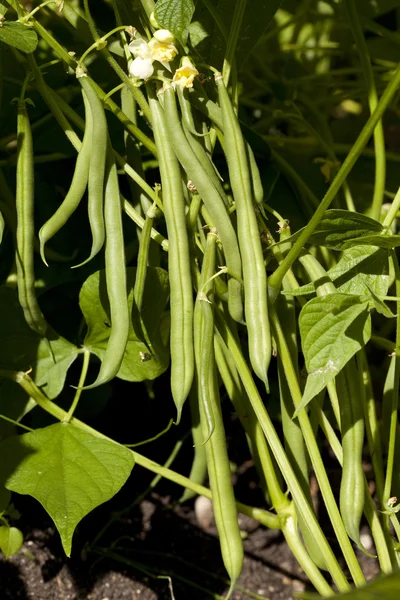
360 270
340 227
22 349
18 36
175 15
11 540
332 329
69 471
146 354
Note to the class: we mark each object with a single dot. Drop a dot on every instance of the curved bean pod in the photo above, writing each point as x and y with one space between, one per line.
115 276
211 198
97 167
76 190
181 299
254 273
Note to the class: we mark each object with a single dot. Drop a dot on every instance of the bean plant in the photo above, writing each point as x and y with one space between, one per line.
231 220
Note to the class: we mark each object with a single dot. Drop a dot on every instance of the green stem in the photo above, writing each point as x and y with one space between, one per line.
395 395
379 137
85 366
313 450
264 517
275 280
234 30
281 457
148 6
394 208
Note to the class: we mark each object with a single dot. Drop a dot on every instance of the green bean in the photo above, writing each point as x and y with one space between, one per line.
76 190
203 338
181 298
211 199
254 273
96 167
25 225
196 145
2 226
198 471
218 465
352 493
115 276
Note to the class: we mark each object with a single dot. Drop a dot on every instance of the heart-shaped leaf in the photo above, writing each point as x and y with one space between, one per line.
11 540
332 328
146 354
69 471
18 36
22 349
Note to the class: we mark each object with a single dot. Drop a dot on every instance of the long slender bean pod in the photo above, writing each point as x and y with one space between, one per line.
218 465
2 226
76 190
352 494
254 273
96 168
181 298
25 232
115 276
198 471
211 198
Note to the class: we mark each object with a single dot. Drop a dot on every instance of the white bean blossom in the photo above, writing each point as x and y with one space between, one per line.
160 48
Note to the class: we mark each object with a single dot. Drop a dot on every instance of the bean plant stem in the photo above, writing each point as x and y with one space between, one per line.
379 137
275 280
266 518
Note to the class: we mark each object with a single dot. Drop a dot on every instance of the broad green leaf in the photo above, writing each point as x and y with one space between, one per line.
175 15
332 329
339 227
384 587
11 540
142 360
18 36
382 241
5 497
380 306
22 349
361 269
69 471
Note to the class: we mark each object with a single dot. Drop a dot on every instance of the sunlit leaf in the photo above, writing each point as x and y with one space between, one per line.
332 328
18 36
143 359
11 540
69 471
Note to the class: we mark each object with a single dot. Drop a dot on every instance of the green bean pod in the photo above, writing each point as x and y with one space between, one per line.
196 145
218 465
181 297
2 226
198 471
77 188
97 167
254 273
115 276
352 490
211 198
25 232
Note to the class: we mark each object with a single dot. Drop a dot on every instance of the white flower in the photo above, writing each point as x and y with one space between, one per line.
164 36
155 50
142 66
184 76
